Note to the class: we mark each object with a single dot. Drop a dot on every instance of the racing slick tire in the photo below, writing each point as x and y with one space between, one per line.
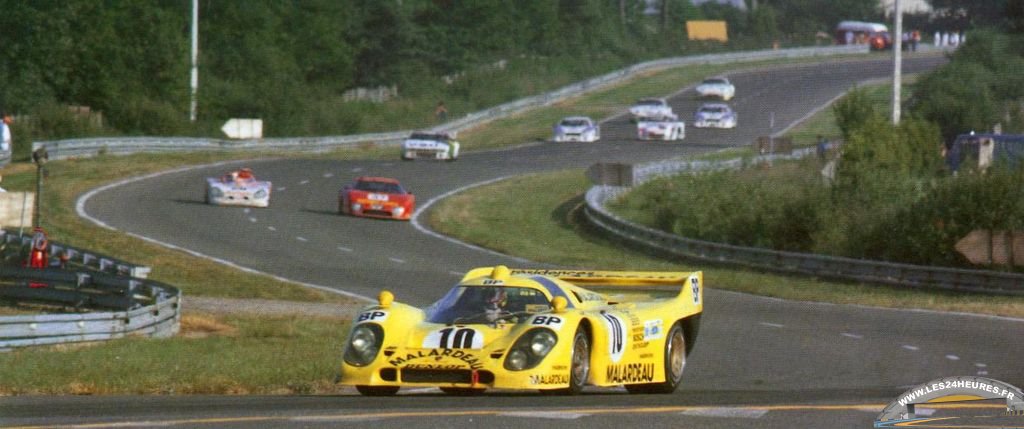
579 369
675 362
462 391
377 390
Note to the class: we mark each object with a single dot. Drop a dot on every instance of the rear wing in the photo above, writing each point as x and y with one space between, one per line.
661 283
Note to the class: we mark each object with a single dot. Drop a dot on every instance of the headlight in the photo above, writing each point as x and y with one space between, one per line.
541 343
363 344
260 194
397 211
357 207
530 349
216 192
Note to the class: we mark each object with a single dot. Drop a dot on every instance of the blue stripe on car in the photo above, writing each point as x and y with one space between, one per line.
552 288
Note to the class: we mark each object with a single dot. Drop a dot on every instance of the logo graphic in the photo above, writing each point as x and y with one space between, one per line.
949 389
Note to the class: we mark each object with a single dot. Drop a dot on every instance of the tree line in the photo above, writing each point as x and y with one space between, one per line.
289 62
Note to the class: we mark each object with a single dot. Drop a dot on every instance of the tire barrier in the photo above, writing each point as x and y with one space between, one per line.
118 299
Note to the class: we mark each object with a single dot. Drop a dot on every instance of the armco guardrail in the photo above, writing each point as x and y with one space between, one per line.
791 262
15 247
78 148
143 307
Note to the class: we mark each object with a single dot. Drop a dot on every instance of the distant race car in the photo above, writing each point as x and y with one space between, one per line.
650 108
238 188
551 330
714 115
717 87
378 197
577 129
431 146
669 128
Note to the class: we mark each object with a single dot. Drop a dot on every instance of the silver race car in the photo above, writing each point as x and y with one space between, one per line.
650 108
577 129
714 115
668 128
717 87
441 146
238 188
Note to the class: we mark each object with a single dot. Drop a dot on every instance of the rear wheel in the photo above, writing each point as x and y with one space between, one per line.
377 390
675 362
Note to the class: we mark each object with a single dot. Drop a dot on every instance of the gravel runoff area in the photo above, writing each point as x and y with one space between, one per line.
267 307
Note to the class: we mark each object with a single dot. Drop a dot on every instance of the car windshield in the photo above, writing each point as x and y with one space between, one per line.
712 109
714 82
427 136
485 304
380 187
574 122
650 102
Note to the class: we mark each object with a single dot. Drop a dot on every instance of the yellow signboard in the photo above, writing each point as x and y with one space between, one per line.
707 30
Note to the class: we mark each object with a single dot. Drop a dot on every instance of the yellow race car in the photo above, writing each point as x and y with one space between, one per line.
551 330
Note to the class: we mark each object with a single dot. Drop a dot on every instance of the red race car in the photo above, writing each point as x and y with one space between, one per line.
380 197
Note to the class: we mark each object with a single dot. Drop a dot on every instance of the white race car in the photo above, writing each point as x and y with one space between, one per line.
577 129
717 87
668 128
648 108
431 146
714 115
238 188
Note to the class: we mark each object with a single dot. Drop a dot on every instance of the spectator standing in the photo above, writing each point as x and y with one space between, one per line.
915 38
945 39
5 133
441 112
937 40
954 39
849 37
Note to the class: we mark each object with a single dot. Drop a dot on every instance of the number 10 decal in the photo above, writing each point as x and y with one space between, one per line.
454 338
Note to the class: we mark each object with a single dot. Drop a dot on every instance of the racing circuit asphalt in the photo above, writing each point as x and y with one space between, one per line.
758 362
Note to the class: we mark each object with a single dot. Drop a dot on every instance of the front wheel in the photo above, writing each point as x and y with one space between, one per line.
675 362
377 390
579 369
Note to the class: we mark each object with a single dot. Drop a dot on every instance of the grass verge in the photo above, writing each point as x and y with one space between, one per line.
212 355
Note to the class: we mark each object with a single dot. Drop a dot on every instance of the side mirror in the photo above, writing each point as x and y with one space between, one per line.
559 303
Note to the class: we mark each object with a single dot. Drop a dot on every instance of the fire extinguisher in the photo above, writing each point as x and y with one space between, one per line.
38 256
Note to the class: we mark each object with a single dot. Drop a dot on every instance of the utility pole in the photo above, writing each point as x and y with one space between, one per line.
897 61
195 59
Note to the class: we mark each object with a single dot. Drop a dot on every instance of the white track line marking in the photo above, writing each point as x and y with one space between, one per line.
726 412
560 415
981 365
357 169
344 249
982 372
304 182
80 209
455 273
272 228
328 175
415 221
771 325
910 347
246 210
396 260
302 239
854 336
252 219
281 188
952 357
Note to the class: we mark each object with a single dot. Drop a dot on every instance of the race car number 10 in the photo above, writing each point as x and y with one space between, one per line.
454 338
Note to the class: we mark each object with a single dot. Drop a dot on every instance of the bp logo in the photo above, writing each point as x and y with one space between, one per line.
901 411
